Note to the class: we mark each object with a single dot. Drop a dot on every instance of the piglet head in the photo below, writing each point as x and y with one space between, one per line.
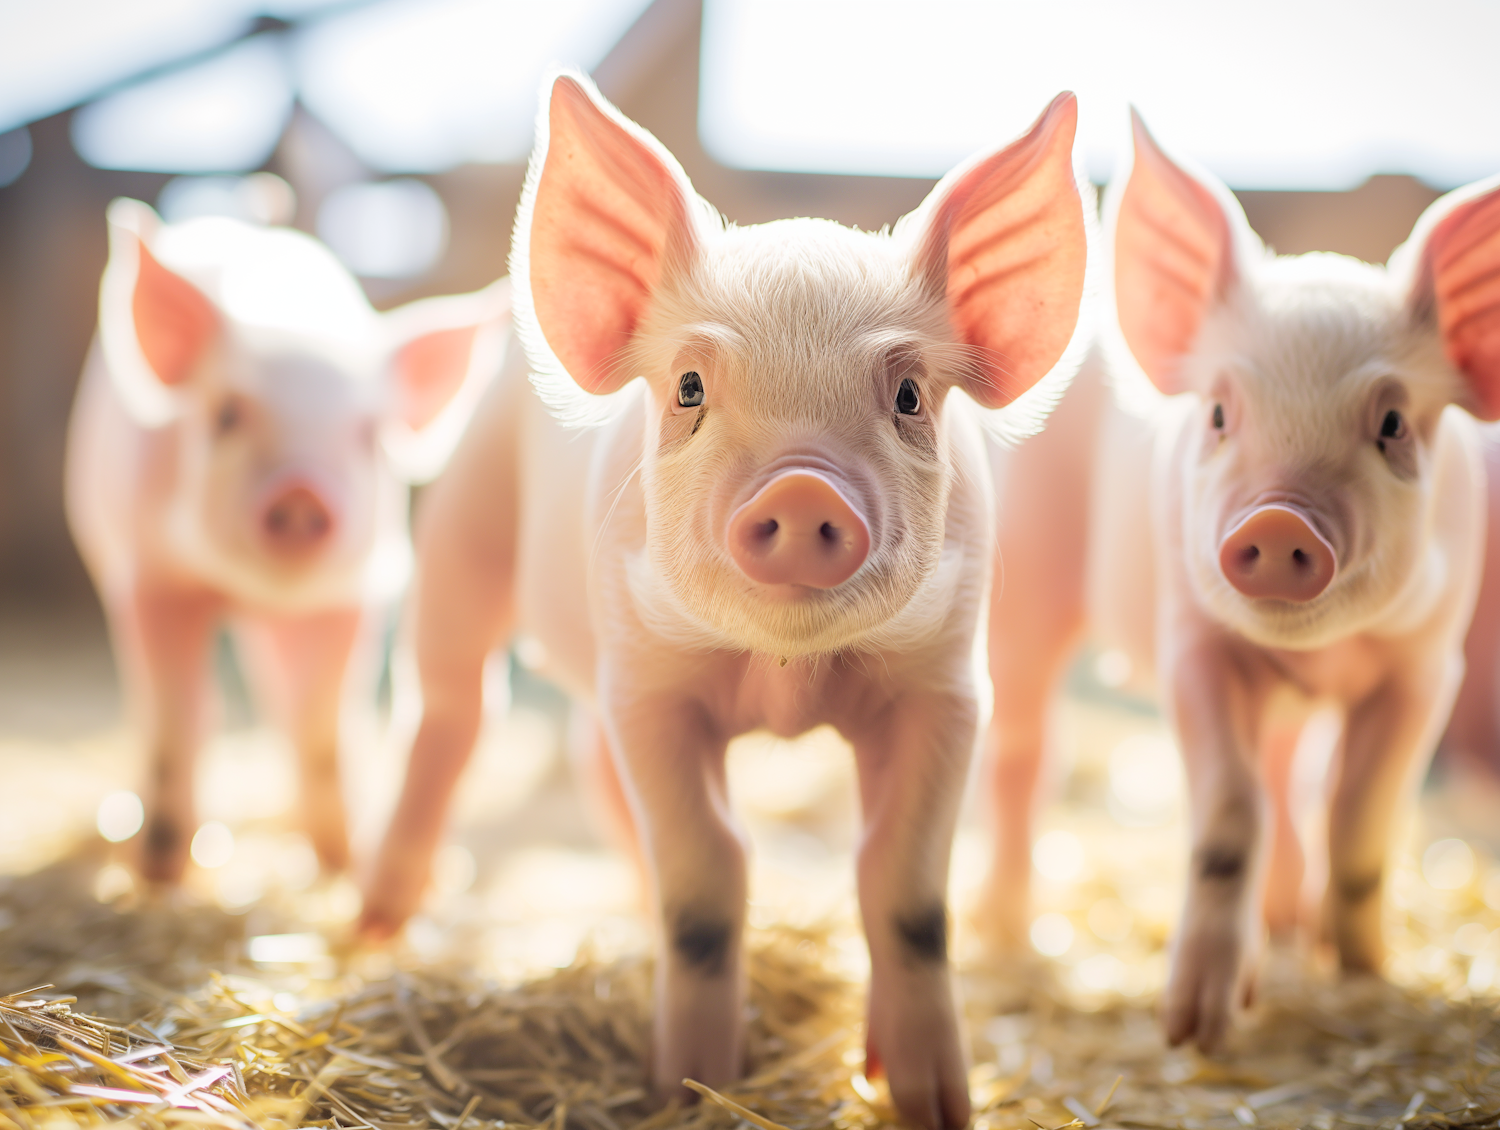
1316 382
797 457
291 399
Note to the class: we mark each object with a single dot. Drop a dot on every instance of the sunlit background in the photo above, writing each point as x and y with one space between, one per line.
397 131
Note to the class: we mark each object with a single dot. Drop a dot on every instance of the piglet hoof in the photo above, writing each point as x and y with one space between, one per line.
391 897
164 852
916 1047
332 850
1212 975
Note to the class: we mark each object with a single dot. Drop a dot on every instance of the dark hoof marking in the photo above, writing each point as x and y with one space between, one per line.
925 934
1220 864
702 941
163 837
1357 888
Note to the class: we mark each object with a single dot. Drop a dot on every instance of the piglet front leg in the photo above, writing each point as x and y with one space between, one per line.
298 666
674 776
162 635
913 760
1388 740
1218 697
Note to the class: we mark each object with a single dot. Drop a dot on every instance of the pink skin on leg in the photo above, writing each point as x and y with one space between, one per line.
1036 618
912 760
163 636
1286 867
697 855
1390 737
1218 696
297 667
461 610
598 775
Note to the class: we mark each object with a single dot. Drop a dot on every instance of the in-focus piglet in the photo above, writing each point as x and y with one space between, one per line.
1298 521
783 521
233 457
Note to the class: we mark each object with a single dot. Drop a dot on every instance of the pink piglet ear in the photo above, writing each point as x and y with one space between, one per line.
1174 236
154 325
444 352
609 215
1005 239
1454 257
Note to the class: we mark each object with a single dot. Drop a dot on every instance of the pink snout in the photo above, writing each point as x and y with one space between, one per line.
1276 553
798 530
296 521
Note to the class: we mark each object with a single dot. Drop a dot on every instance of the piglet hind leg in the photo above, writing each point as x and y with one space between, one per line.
675 779
603 789
162 637
1388 742
298 666
1036 620
462 609
912 766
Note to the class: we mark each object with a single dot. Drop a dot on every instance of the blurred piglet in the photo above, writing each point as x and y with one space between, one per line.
785 521
1299 522
233 457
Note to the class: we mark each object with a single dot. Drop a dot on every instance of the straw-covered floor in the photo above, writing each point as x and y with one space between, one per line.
232 1005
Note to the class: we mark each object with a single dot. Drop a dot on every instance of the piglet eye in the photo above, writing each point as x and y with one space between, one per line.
1392 426
228 417
690 390
1219 416
908 403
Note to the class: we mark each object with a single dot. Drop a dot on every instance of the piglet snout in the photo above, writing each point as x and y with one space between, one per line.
799 529
296 521
1276 553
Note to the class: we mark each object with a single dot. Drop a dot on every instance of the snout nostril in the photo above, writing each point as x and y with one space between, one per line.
827 532
1301 559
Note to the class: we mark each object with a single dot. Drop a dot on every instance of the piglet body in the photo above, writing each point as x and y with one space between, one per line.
232 458
1298 522
785 523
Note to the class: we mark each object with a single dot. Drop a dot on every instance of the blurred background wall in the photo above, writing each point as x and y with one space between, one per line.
415 222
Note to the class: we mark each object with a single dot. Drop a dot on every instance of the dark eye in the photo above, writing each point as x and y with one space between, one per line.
690 390
908 403
228 417
1219 416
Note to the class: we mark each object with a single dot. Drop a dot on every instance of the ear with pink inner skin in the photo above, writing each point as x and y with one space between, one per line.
1005 241
173 321
154 325
1457 277
1174 240
609 217
444 352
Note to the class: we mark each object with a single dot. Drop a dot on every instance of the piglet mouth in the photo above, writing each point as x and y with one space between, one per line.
799 531
1276 553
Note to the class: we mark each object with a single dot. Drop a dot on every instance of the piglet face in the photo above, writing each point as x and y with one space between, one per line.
287 395
797 465
283 477
796 474
1306 469
1307 473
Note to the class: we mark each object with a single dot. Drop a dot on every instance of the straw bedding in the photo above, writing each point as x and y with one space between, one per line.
200 1033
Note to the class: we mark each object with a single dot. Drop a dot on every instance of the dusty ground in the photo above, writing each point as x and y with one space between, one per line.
527 972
